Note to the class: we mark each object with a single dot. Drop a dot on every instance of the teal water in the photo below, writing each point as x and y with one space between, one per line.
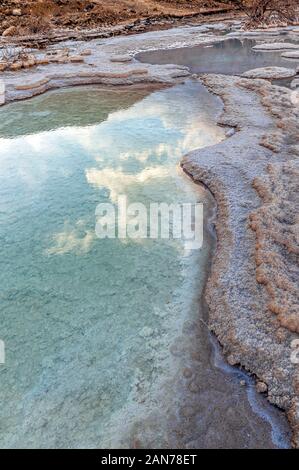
88 323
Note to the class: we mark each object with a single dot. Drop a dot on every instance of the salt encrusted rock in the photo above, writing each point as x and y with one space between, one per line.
16 66
295 83
175 66
85 52
230 132
275 46
270 73
76 58
36 82
252 293
146 332
291 54
2 92
121 58
17 12
29 62
232 360
42 61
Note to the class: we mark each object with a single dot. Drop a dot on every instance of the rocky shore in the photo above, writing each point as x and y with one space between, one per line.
252 292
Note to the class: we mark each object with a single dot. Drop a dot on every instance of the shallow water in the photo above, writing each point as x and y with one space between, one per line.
229 57
105 340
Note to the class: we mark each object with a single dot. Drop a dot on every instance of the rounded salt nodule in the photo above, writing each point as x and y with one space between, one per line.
261 387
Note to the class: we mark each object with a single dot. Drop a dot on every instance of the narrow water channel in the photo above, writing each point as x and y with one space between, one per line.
106 340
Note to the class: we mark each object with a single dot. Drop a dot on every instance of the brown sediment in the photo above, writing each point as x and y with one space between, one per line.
277 240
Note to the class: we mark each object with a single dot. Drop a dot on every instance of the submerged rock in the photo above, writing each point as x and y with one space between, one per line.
261 387
270 73
121 58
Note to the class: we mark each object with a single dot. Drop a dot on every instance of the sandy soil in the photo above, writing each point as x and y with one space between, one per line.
31 16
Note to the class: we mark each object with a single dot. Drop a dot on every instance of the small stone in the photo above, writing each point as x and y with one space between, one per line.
187 372
291 54
76 58
270 73
261 387
232 360
295 83
86 52
17 12
42 61
146 332
195 356
11 31
29 62
230 132
193 387
121 58
61 60
187 411
242 383
2 92
40 80
16 66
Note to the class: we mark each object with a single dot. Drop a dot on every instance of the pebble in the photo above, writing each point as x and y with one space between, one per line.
193 387
291 54
187 373
146 332
17 12
230 132
270 73
261 387
121 58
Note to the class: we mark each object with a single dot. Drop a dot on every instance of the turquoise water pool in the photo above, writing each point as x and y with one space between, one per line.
76 310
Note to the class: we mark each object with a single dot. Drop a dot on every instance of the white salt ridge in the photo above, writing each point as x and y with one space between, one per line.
275 46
